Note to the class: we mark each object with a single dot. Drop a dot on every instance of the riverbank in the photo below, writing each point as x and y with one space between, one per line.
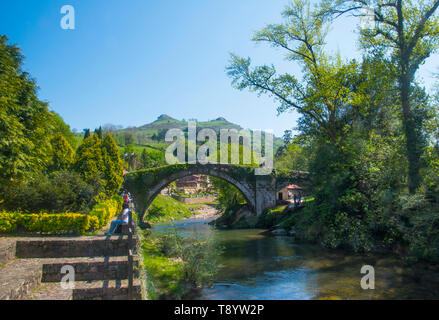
261 264
166 208
258 266
204 211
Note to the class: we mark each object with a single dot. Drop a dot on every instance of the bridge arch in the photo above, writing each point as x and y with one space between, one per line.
259 191
145 185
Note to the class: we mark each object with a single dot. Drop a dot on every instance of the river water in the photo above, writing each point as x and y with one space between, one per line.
262 267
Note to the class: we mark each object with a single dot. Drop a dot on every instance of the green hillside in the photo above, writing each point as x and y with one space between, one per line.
164 208
145 146
165 122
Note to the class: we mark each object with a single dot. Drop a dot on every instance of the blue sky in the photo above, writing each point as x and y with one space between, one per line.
127 62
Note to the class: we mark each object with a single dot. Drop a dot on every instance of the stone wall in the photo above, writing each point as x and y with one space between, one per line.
19 278
7 250
66 248
90 270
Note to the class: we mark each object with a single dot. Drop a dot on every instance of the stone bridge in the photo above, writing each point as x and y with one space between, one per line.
258 190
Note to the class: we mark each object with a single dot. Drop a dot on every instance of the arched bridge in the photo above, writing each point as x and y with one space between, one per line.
258 190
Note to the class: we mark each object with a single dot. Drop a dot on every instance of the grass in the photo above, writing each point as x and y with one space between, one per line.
271 217
165 208
164 274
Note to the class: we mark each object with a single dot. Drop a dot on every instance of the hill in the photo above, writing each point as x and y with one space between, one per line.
165 122
150 138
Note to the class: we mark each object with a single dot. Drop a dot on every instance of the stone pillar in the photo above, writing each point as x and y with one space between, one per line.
265 193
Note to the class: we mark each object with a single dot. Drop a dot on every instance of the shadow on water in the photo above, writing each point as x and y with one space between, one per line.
256 266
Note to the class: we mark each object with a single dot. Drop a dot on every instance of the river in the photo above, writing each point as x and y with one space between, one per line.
262 267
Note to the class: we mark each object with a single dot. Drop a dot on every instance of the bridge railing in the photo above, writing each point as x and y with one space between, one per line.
130 255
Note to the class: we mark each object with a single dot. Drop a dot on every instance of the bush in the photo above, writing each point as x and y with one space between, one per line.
61 223
8 222
105 211
55 223
271 217
423 237
61 191
176 266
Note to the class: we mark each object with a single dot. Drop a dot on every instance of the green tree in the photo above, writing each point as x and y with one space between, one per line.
113 172
89 159
86 133
128 138
328 90
408 31
98 159
152 158
62 153
130 157
59 126
229 198
24 120
99 132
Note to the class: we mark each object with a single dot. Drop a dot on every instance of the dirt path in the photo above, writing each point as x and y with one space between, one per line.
205 212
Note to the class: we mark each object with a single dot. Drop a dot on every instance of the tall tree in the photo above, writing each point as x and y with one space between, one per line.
113 172
25 128
409 32
86 133
89 159
61 127
62 153
99 132
327 90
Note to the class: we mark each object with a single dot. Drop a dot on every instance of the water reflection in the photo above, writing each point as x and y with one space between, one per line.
256 266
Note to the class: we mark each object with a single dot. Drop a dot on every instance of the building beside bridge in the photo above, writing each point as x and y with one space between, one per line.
193 184
288 192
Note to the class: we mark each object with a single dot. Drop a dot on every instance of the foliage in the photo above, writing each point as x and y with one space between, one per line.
60 127
152 158
292 155
408 32
99 160
165 208
24 120
365 150
8 222
229 197
176 266
89 158
106 210
113 167
62 154
60 223
270 217
56 192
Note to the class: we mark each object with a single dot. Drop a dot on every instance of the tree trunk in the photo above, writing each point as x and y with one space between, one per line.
410 130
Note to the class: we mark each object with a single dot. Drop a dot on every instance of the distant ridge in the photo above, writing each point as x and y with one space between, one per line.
165 117
166 122
153 134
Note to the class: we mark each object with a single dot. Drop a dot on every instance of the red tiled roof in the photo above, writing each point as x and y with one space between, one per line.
293 187
190 179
